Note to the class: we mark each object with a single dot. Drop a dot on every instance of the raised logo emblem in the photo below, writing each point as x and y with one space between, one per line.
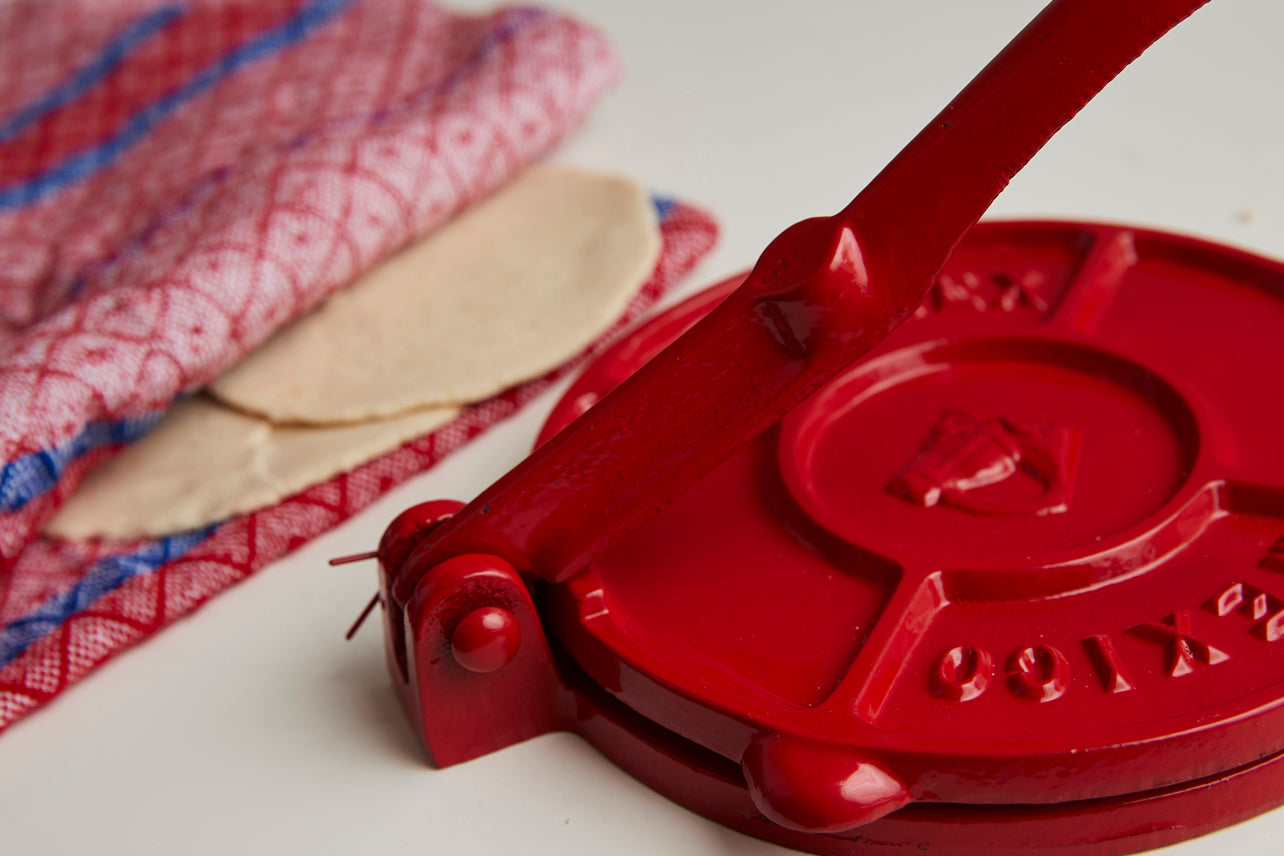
970 464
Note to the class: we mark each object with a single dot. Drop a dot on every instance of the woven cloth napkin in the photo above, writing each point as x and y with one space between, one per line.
179 179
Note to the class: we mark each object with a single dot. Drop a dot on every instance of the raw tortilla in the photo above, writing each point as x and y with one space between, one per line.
206 462
510 289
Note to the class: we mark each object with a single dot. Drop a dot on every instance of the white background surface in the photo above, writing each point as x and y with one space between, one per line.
252 727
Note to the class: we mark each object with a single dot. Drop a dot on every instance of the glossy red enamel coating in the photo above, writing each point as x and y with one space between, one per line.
1026 553
714 787
486 639
1102 674
993 648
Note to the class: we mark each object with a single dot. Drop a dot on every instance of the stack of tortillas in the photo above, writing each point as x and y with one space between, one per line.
507 291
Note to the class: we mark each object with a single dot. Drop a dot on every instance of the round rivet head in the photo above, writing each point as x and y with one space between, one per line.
486 640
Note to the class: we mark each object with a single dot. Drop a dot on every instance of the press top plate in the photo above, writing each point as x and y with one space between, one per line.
1030 550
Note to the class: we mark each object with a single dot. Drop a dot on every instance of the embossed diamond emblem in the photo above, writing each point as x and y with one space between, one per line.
963 456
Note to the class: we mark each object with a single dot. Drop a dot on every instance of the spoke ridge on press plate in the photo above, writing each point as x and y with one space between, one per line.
1099 278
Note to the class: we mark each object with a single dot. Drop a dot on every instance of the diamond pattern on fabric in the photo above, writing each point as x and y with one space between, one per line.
147 598
177 180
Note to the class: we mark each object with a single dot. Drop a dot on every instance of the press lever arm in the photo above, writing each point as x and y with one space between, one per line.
822 295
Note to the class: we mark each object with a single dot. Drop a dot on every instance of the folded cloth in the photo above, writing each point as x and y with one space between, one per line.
179 179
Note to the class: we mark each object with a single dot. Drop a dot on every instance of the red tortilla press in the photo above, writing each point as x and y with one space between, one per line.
917 537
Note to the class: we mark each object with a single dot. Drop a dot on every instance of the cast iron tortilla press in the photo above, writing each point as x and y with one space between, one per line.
901 541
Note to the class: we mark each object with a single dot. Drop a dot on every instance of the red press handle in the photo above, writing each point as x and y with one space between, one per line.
822 295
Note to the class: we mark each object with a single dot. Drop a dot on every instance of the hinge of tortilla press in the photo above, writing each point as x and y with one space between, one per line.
468 653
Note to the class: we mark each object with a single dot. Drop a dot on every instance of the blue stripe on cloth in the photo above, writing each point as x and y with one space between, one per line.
104 577
517 19
32 475
26 478
85 163
110 573
134 34
663 205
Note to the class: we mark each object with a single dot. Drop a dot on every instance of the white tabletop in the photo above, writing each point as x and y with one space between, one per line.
252 727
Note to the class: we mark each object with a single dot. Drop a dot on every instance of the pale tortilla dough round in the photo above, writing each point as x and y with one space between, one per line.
507 291
205 463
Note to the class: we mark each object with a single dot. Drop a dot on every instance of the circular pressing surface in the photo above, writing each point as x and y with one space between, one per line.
1003 448
511 288
1030 550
